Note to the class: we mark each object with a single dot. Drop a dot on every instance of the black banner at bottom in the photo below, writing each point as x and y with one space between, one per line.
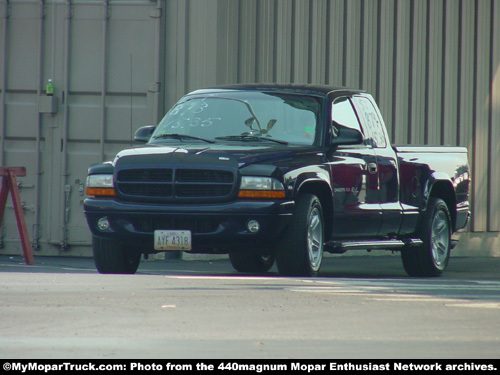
249 366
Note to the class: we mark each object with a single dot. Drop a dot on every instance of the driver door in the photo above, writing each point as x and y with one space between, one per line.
354 177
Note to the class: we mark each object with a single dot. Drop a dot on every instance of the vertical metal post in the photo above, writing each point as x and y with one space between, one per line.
38 168
104 76
157 87
64 139
3 88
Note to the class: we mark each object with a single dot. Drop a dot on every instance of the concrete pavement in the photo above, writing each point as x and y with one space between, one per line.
355 266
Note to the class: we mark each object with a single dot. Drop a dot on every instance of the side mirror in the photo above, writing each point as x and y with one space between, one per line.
143 134
347 136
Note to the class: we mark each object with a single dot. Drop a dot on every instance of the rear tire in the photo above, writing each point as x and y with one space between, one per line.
431 258
300 251
111 257
251 261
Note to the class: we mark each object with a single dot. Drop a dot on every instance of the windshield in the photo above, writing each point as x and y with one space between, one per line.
241 116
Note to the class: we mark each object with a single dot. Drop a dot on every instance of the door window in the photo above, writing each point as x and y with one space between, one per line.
343 114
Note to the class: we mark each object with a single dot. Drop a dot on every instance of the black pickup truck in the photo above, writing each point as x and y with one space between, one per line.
281 173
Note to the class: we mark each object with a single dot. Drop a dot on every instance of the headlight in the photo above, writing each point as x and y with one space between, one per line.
261 187
100 185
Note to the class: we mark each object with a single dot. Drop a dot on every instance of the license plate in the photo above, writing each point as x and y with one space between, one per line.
172 240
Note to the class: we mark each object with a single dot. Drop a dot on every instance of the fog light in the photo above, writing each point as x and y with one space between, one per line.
253 226
103 224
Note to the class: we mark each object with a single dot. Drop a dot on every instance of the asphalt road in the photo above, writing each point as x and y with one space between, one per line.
359 307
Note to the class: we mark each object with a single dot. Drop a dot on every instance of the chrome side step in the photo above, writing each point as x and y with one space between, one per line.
339 247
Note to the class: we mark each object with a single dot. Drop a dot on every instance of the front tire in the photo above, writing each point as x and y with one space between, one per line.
431 258
111 257
300 250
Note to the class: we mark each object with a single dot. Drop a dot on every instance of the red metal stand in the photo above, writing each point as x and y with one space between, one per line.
9 182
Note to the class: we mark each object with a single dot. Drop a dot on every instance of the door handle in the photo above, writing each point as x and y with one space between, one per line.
372 168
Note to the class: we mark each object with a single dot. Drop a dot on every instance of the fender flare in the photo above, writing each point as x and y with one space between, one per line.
440 185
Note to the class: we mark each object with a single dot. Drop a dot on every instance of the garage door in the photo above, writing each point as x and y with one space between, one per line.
104 60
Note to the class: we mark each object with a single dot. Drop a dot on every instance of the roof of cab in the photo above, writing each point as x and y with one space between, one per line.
289 87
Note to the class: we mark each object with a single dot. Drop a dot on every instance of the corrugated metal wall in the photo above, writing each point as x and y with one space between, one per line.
433 66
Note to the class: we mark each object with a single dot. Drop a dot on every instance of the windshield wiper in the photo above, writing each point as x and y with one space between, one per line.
181 137
249 138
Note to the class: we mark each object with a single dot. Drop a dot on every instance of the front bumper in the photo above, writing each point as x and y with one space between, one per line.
215 228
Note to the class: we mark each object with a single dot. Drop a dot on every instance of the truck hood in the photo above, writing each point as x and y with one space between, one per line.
236 156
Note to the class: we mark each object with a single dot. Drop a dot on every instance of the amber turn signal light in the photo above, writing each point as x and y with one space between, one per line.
101 192
266 194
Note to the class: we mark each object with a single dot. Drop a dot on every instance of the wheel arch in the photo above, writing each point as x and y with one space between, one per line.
443 189
322 190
